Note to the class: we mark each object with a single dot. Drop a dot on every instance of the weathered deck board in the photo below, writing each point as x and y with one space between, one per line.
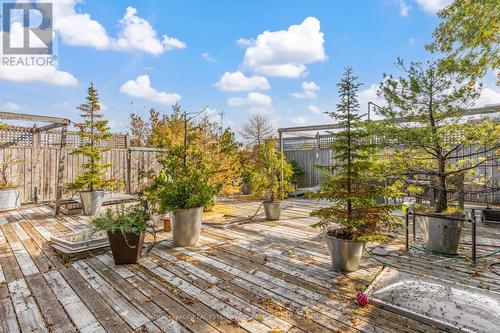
253 277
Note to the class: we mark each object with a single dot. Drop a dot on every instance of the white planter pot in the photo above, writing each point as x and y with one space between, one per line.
9 199
186 226
441 235
91 202
346 254
272 210
158 220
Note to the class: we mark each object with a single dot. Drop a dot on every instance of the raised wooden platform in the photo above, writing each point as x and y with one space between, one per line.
257 277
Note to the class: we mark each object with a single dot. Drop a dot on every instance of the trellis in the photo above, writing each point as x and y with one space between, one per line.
310 146
33 136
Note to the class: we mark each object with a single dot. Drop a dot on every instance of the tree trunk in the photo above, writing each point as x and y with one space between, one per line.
442 201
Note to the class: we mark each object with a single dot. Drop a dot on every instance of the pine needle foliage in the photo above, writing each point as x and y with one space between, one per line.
267 171
424 151
349 183
94 131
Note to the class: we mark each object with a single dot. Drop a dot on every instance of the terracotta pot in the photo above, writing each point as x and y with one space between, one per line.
126 249
167 226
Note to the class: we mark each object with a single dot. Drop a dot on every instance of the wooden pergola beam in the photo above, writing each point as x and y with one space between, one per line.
33 118
471 112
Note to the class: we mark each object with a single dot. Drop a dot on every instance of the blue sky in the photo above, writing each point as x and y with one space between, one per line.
151 53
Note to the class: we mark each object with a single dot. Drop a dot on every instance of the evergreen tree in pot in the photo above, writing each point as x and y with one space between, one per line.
125 229
185 187
435 149
270 178
349 185
91 181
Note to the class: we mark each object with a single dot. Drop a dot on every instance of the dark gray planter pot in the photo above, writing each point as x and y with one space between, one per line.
272 210
246 188
441 235
9 199
91 202
346 254
186 226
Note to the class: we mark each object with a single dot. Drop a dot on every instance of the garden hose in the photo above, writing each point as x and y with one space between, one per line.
490 267
154 238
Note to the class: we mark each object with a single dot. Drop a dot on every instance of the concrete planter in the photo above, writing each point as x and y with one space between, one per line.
272 210
441 235
346 254
91 202
186 226
157 220
9 199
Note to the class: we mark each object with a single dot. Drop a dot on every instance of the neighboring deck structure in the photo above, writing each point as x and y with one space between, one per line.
258 277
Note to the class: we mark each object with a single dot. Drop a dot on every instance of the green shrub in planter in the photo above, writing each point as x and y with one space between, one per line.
185 187
125 228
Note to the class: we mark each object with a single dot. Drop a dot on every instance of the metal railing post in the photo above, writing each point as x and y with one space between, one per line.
413 217
473 235
407 231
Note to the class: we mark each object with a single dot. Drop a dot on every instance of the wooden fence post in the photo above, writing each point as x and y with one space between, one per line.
60 170
129 165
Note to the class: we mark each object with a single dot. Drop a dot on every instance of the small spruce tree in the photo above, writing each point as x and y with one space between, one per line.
93 131
349 182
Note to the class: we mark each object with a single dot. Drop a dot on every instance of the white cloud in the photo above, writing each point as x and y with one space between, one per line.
489 96
252 98
313 109
237 81
286 52
46 74
136 33
432 6
172 43
299 120
370 95
411 41
9 106
245 42
78 28
258 110
404 8
141 87
206 56
310 89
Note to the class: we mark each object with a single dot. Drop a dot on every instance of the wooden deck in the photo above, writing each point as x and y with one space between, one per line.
258 277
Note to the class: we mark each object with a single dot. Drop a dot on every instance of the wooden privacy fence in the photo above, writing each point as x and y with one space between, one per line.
312 151
36 156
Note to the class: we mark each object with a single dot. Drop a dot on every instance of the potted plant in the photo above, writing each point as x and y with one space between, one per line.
270 178
9 191
246 179
355 215
125 229
184 191
426 152
150 199
91 181
298 174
